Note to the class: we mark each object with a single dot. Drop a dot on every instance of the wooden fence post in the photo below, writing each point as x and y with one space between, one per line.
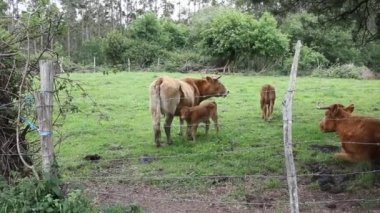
44 105
94 64
129 65
288 145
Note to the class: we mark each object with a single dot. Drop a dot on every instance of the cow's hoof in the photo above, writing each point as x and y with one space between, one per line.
170 142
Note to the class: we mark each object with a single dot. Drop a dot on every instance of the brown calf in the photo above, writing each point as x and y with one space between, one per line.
197 114
359 135
268 96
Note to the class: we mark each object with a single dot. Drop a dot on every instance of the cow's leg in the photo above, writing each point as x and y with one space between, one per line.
266 111
194 131
157 133
168 123
188 130
207 123
214 118
181 121
345 156
270 110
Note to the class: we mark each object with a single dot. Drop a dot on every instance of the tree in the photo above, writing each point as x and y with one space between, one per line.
115 47
145 27
228 36
232 35
175 34
335 43
364 14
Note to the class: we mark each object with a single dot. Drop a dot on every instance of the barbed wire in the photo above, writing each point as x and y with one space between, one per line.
211 176
274 203
192 200
254 147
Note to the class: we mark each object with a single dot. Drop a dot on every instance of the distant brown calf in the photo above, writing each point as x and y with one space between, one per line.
359 135
268 96
197 114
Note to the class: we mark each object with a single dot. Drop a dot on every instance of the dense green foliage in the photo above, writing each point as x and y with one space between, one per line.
30 195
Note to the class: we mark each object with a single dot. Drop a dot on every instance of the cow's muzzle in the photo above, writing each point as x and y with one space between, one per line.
225 94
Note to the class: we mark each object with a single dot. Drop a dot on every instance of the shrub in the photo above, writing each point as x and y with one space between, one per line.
335 42
142 53
176 61
372 55
31 195
309 60
90 49
114 47
340 71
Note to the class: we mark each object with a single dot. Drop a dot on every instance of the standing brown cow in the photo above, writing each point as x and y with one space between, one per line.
168 95
197 114
359 135
268 96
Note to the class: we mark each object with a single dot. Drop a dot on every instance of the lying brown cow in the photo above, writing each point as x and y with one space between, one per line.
197 114
359 135
268 96
168 95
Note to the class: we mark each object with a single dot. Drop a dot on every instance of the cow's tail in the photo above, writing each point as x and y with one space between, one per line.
155 101
155 108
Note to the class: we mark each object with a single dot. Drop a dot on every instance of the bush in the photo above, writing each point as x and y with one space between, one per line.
114 47
31 195
309 61
372 55
175 34
340 71
142 53
335 42
176 61
89 49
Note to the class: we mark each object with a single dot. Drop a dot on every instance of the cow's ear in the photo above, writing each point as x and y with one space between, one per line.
334 109
350 108
209 79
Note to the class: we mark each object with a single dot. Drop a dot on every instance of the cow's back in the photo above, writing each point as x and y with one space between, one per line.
360 135
173 94
268 94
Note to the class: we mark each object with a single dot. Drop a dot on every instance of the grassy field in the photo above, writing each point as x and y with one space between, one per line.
119 130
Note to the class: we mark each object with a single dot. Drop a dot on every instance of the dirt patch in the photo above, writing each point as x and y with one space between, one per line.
216 199
94 157
327 180
325 148
154 199
225 194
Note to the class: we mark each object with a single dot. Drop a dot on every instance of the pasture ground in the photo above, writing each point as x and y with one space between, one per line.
241 169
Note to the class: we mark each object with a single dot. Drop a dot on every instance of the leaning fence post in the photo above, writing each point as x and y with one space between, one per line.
44 105
287 127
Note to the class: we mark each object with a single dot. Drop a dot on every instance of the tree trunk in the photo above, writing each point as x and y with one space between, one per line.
68 42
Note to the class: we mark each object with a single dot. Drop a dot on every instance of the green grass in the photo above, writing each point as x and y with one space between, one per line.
246 145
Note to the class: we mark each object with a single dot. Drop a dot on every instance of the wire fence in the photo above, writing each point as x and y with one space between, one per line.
133 167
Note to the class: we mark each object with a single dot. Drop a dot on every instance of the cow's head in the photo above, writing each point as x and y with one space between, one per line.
213 87
334 113
185 113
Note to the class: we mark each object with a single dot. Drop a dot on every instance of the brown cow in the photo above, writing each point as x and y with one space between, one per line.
359 135
268 96
197 114
168 95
